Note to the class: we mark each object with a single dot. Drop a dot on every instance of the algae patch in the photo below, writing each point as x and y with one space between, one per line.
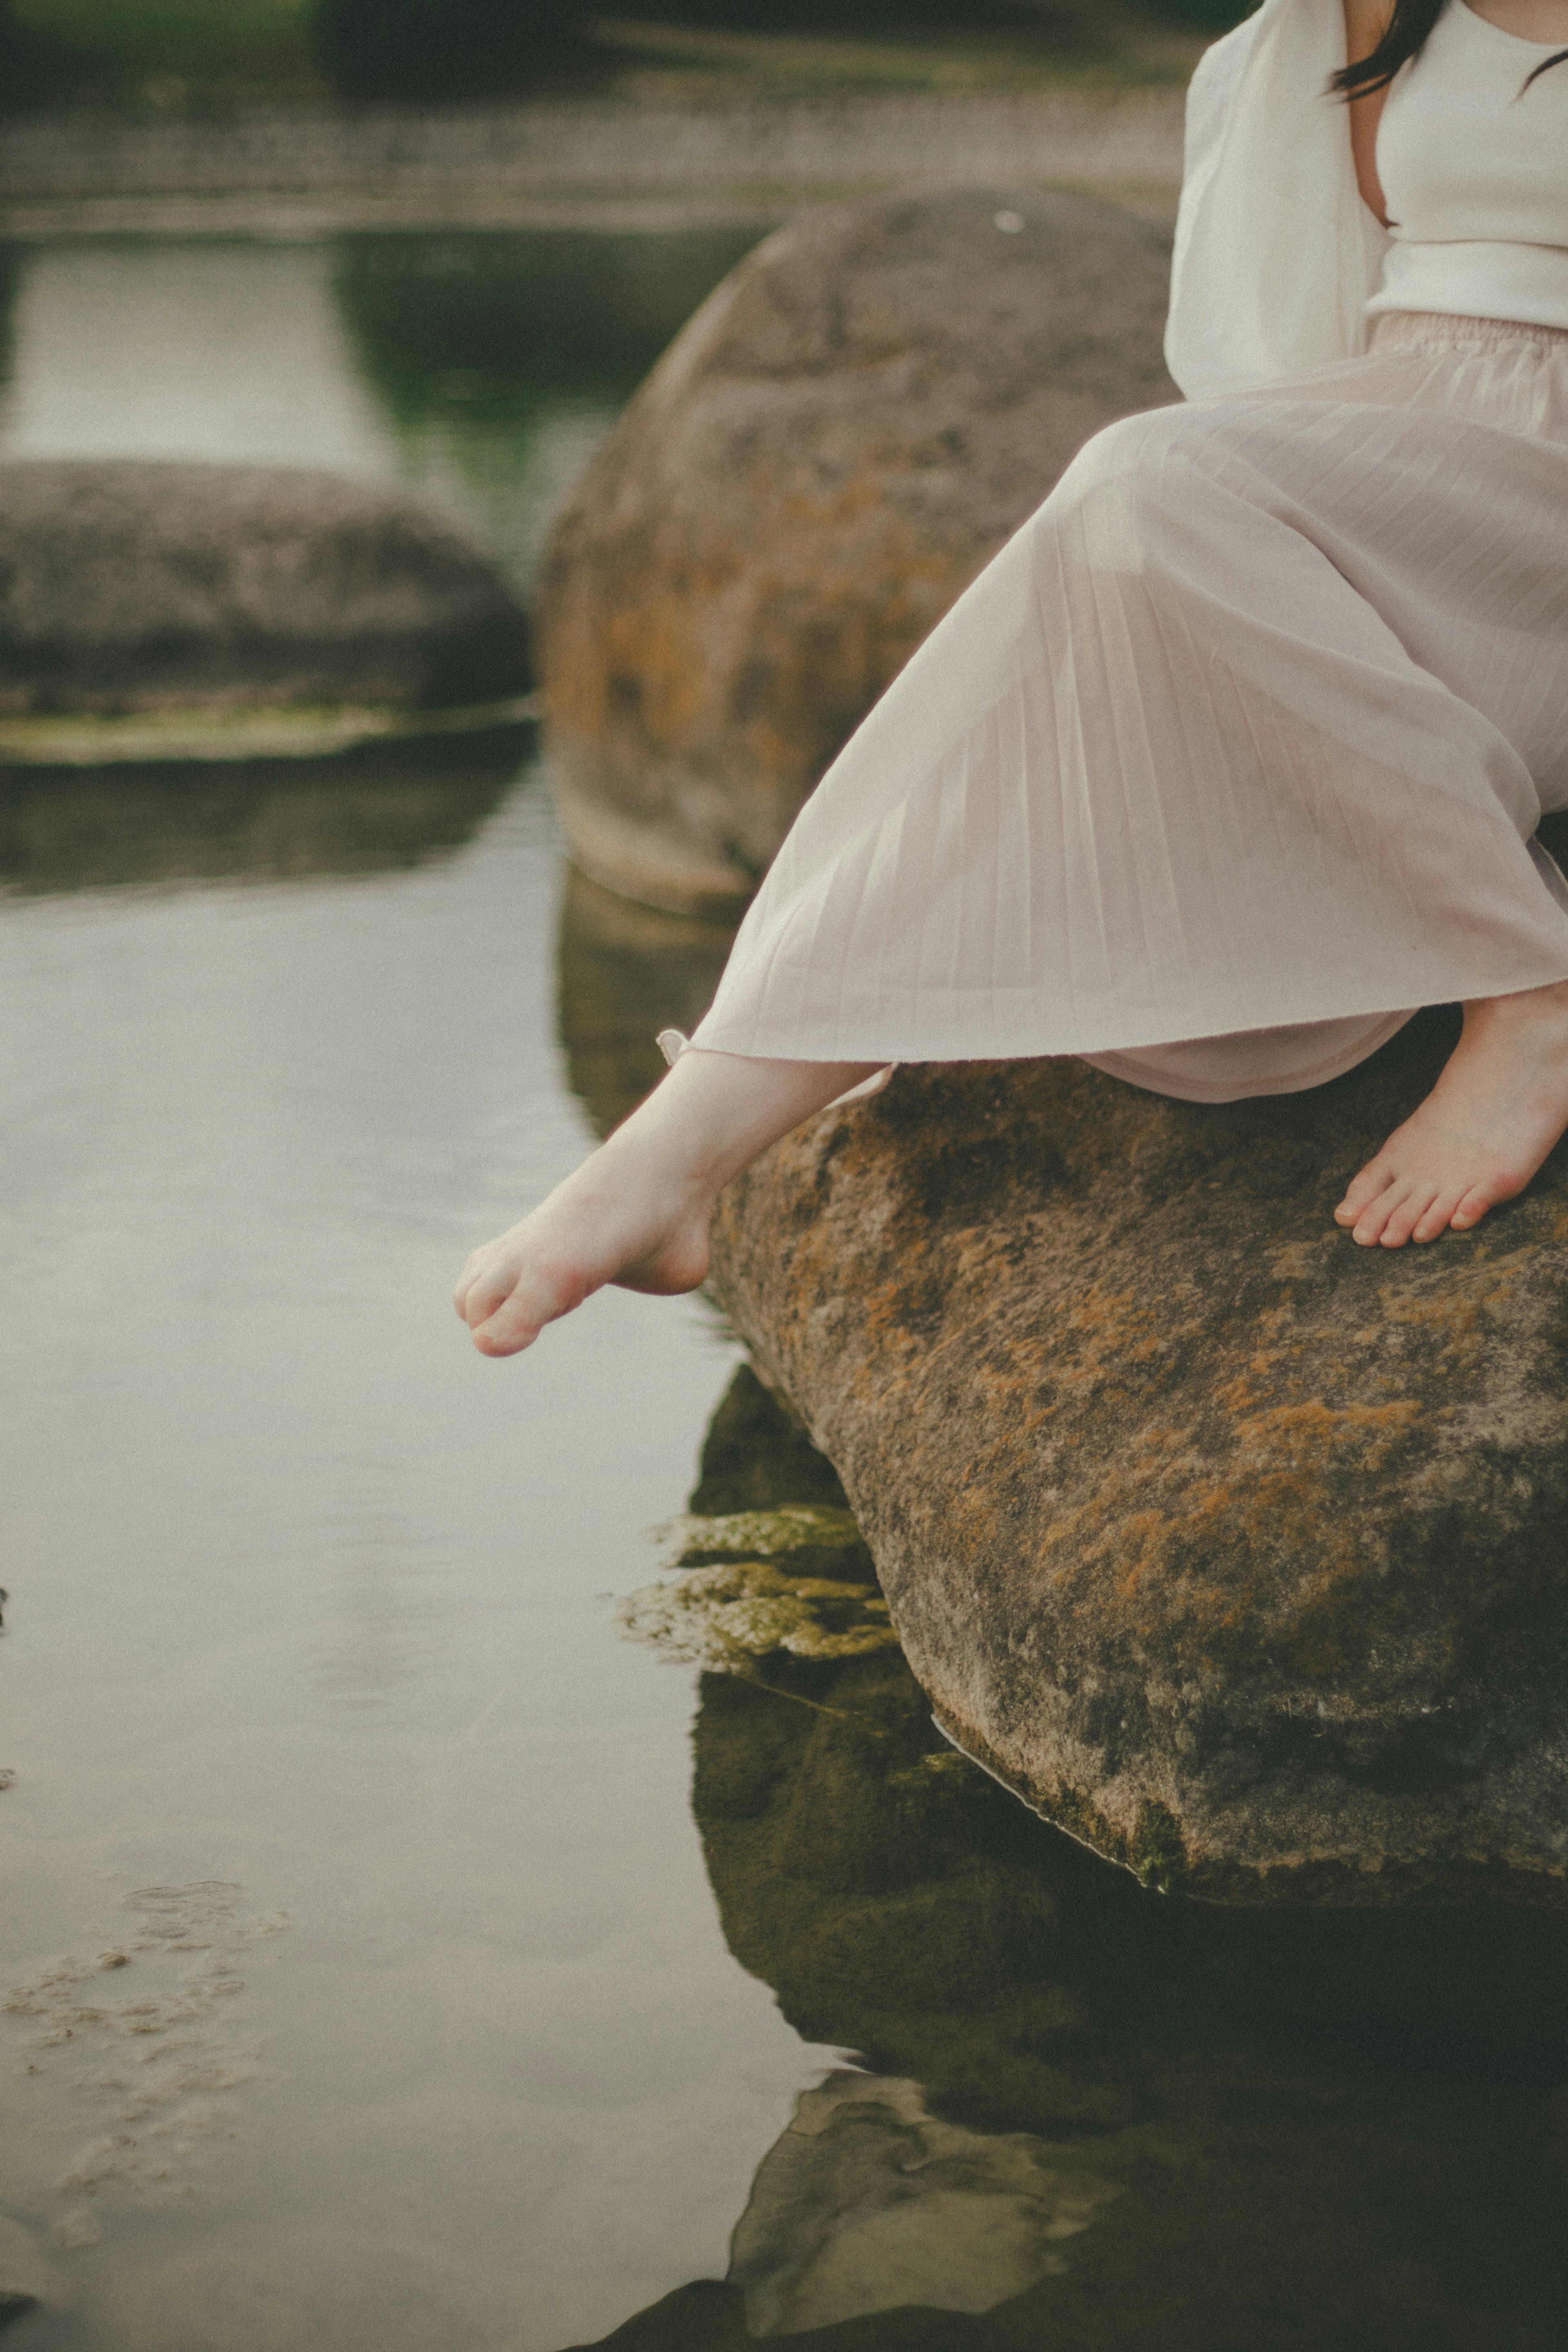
749 1583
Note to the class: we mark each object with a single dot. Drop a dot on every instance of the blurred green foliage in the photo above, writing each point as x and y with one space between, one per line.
1069 22
24 64
501 321
436 50
174 55
1201 15
1066 25
159 54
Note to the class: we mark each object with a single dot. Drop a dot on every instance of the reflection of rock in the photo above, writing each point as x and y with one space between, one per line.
624 973
1233 1548
1331 2130
868 2203
755 1457
499 323
1337 2116
132 586
363 814
830 452
502 358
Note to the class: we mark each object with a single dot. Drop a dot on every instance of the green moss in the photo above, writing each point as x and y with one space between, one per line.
724 1617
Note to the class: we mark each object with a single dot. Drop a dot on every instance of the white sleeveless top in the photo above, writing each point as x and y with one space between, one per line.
1475 177
1277 259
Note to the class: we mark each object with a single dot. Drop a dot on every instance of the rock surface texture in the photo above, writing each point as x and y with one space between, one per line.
1236 1551
131 586
831 449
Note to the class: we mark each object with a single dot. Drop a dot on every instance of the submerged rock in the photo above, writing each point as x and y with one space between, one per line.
1234 1549
131 586
835 444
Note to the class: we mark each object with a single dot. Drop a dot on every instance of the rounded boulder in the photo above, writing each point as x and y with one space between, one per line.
835 444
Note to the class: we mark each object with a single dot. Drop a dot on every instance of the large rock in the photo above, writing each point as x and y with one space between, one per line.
1235 1550
1349 2117
131 586
842 437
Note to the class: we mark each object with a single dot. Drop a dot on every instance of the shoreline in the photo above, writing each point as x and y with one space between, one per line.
607 165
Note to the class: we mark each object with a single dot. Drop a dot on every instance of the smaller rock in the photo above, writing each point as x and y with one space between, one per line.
131 586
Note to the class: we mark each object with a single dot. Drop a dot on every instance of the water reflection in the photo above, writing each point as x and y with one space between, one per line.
1090 2116
624 973
500 360
869 2204
363 813
481 368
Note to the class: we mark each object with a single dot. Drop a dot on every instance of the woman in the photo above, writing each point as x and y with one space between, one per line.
1233 756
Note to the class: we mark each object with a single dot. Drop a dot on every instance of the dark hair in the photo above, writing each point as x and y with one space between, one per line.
1408 28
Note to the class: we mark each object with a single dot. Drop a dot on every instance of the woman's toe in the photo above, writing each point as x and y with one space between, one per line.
1368 1228
1403 1219
1362 1190
1471 1208
1436 1218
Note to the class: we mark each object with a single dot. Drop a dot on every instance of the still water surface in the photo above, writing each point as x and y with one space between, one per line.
390 1954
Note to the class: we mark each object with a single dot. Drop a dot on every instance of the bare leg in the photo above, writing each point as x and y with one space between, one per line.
637 1213
1500 1105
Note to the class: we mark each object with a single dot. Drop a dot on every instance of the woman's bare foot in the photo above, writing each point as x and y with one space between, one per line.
1500 1105
637 1213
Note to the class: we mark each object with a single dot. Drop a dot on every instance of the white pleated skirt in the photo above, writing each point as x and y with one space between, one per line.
1227 763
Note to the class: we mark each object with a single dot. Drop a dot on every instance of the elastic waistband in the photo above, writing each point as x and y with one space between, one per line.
1413 330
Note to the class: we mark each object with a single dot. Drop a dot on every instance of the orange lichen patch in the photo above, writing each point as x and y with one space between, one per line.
1462 1311
1310 1434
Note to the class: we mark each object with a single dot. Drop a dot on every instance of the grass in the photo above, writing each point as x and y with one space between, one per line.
180 56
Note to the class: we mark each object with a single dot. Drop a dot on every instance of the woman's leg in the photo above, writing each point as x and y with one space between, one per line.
637 1213
1500 1105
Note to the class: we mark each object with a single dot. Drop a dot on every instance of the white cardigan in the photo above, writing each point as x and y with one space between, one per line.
1276 253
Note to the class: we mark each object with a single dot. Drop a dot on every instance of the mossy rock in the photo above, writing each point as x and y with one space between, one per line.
1233 1548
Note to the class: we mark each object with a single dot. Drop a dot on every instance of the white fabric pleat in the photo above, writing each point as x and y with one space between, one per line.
1245 730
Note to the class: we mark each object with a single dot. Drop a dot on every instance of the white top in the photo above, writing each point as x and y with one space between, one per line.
1275 252
1475 177
1277 258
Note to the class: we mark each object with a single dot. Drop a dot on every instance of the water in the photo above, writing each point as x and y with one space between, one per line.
393 1956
